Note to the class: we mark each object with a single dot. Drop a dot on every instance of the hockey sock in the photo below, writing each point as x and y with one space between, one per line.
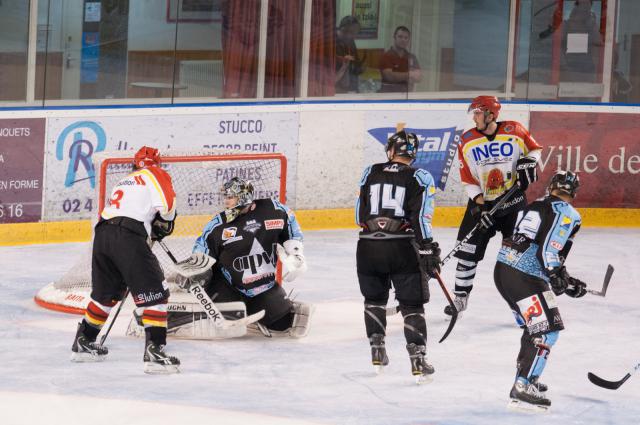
156 334
465 273
533 365
375 319
154 319
283 323
415 327
95 316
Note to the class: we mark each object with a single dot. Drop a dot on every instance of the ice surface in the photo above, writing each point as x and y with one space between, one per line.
327 378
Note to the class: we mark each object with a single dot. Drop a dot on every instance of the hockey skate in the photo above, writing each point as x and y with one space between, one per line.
84 350
460 301
156 361
422 371
543 388
526 397
379 357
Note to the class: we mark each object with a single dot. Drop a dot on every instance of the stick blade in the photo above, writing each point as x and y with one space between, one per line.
454 317
607 279
610 385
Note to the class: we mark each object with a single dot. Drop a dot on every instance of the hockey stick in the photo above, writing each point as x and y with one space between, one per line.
115 316
454 316
605 284
612 385
493 210
207 304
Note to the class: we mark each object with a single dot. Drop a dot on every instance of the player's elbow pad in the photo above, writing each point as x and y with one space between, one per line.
291 255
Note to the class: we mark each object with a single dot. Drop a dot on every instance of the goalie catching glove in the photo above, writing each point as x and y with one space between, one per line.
291 254
194 270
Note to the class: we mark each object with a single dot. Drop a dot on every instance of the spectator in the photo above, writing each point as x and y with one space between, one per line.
348 64
399 69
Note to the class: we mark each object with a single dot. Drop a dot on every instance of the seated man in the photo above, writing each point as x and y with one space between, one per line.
399 69
246 240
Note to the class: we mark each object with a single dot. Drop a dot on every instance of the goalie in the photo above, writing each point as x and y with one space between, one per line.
246 240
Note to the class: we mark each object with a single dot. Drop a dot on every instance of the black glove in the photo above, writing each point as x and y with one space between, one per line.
576 288
161 228
559 280
527 171
481 213
429 257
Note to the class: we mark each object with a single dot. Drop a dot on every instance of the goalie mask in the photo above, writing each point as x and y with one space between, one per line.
241 191
403 144
565 181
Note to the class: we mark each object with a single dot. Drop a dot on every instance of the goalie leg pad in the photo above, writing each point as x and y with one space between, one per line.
301 319
302 314
187 320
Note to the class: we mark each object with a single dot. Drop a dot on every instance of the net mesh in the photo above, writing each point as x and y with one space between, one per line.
197 179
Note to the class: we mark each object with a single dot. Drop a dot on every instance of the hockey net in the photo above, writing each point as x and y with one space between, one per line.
197 179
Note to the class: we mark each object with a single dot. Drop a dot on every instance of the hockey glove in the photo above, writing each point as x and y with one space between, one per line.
527 172
576 288
481 213
429 252
559 280
194 270
161 228
291 255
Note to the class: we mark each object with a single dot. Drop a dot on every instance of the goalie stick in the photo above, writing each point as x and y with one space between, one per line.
207 304
605 283
611 385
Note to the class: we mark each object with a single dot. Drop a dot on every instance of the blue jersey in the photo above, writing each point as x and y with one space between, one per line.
542 238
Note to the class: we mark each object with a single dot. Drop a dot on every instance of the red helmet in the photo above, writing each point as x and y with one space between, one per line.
146 156
486 104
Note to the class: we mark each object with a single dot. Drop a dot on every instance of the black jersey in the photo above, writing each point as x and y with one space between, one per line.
542 237
396 201
245 248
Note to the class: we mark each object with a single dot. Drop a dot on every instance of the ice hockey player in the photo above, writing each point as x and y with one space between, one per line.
142 206
494 156
530 261
396 247
246 240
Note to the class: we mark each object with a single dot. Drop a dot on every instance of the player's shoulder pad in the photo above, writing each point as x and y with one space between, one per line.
279 206
365 175
568 212
468 135
513 127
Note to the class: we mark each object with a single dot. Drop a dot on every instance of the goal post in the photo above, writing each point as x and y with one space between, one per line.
197 179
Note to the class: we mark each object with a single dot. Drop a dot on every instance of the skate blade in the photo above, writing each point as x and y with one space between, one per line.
447 318
86 358
524 407
152 368
423 379
378 369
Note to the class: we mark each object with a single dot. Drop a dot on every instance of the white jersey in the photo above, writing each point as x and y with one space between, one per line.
141 195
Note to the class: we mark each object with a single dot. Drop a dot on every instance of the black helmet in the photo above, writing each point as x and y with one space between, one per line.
239 188
403 144
565 181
